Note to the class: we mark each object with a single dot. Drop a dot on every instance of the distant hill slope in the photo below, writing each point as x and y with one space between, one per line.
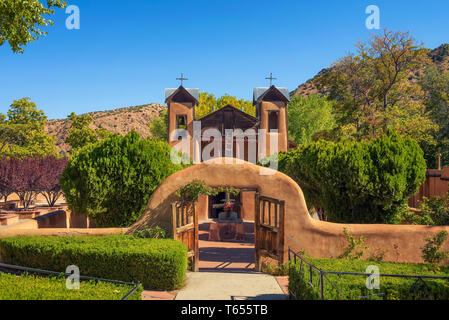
120 121
439 56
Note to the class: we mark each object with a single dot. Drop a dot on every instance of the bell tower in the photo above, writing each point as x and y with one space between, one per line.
181 104
271 111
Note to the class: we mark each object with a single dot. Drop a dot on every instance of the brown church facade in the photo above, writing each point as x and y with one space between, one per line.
238 134
229 133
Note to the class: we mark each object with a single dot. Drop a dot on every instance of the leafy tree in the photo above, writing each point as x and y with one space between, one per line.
240 104
80 134
158 126
207 102
21 21
111 181
435 84
51 169
309 116
358 182
23 134
25 179
373 91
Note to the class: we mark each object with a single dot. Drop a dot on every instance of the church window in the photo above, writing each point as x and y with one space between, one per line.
181 122
273 120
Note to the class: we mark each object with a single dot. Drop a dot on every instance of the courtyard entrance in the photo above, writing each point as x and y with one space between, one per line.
228 243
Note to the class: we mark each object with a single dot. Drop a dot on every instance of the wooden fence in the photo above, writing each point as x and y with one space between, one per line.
437 184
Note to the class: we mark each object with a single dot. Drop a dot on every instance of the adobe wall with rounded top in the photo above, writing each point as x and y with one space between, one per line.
318 238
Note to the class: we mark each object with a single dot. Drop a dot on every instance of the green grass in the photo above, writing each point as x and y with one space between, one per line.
36 288
156 263
354 287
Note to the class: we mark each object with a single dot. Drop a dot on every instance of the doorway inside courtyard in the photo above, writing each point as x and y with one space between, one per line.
237 230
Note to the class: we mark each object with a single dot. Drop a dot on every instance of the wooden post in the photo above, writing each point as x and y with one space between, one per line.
174 220
281 236
256 232
196 257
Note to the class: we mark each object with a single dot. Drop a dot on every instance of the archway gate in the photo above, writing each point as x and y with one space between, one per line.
269 230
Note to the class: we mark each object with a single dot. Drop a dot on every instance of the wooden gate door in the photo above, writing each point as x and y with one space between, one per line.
185 229
269 229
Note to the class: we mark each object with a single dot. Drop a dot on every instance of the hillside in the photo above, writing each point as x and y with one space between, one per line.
439 56
120 121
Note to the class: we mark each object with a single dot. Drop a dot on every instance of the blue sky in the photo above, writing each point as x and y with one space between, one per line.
127 52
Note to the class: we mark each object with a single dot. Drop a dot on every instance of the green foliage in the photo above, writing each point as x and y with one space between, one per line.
279 270
358 182
23 133
409 217
373 91
81 135
192 190
435 84
355 249
152 233
207 102
112 181
437 208
354 287
156 263
431 212
22 19
431 251
308 117
158 126
37 288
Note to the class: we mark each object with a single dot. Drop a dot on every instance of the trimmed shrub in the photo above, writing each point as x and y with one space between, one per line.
112 181
156 263
358 182
39 288
355 288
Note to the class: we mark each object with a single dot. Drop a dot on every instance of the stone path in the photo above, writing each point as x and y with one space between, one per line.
227 272
230 286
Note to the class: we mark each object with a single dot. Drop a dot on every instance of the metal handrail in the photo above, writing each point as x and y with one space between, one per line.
323 273
87 278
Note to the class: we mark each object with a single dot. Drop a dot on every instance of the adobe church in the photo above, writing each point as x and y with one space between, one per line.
271 116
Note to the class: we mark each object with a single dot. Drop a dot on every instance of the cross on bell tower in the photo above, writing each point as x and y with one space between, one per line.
271 79
182 79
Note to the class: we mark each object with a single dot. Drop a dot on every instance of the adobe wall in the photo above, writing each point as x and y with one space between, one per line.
318 238
57 223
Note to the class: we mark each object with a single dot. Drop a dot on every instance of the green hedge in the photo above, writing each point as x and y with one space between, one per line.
354 287
112 181
156 263
358 182
38 288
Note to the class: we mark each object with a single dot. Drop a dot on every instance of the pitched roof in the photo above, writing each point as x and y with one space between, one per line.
192 92
230 107
261 92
